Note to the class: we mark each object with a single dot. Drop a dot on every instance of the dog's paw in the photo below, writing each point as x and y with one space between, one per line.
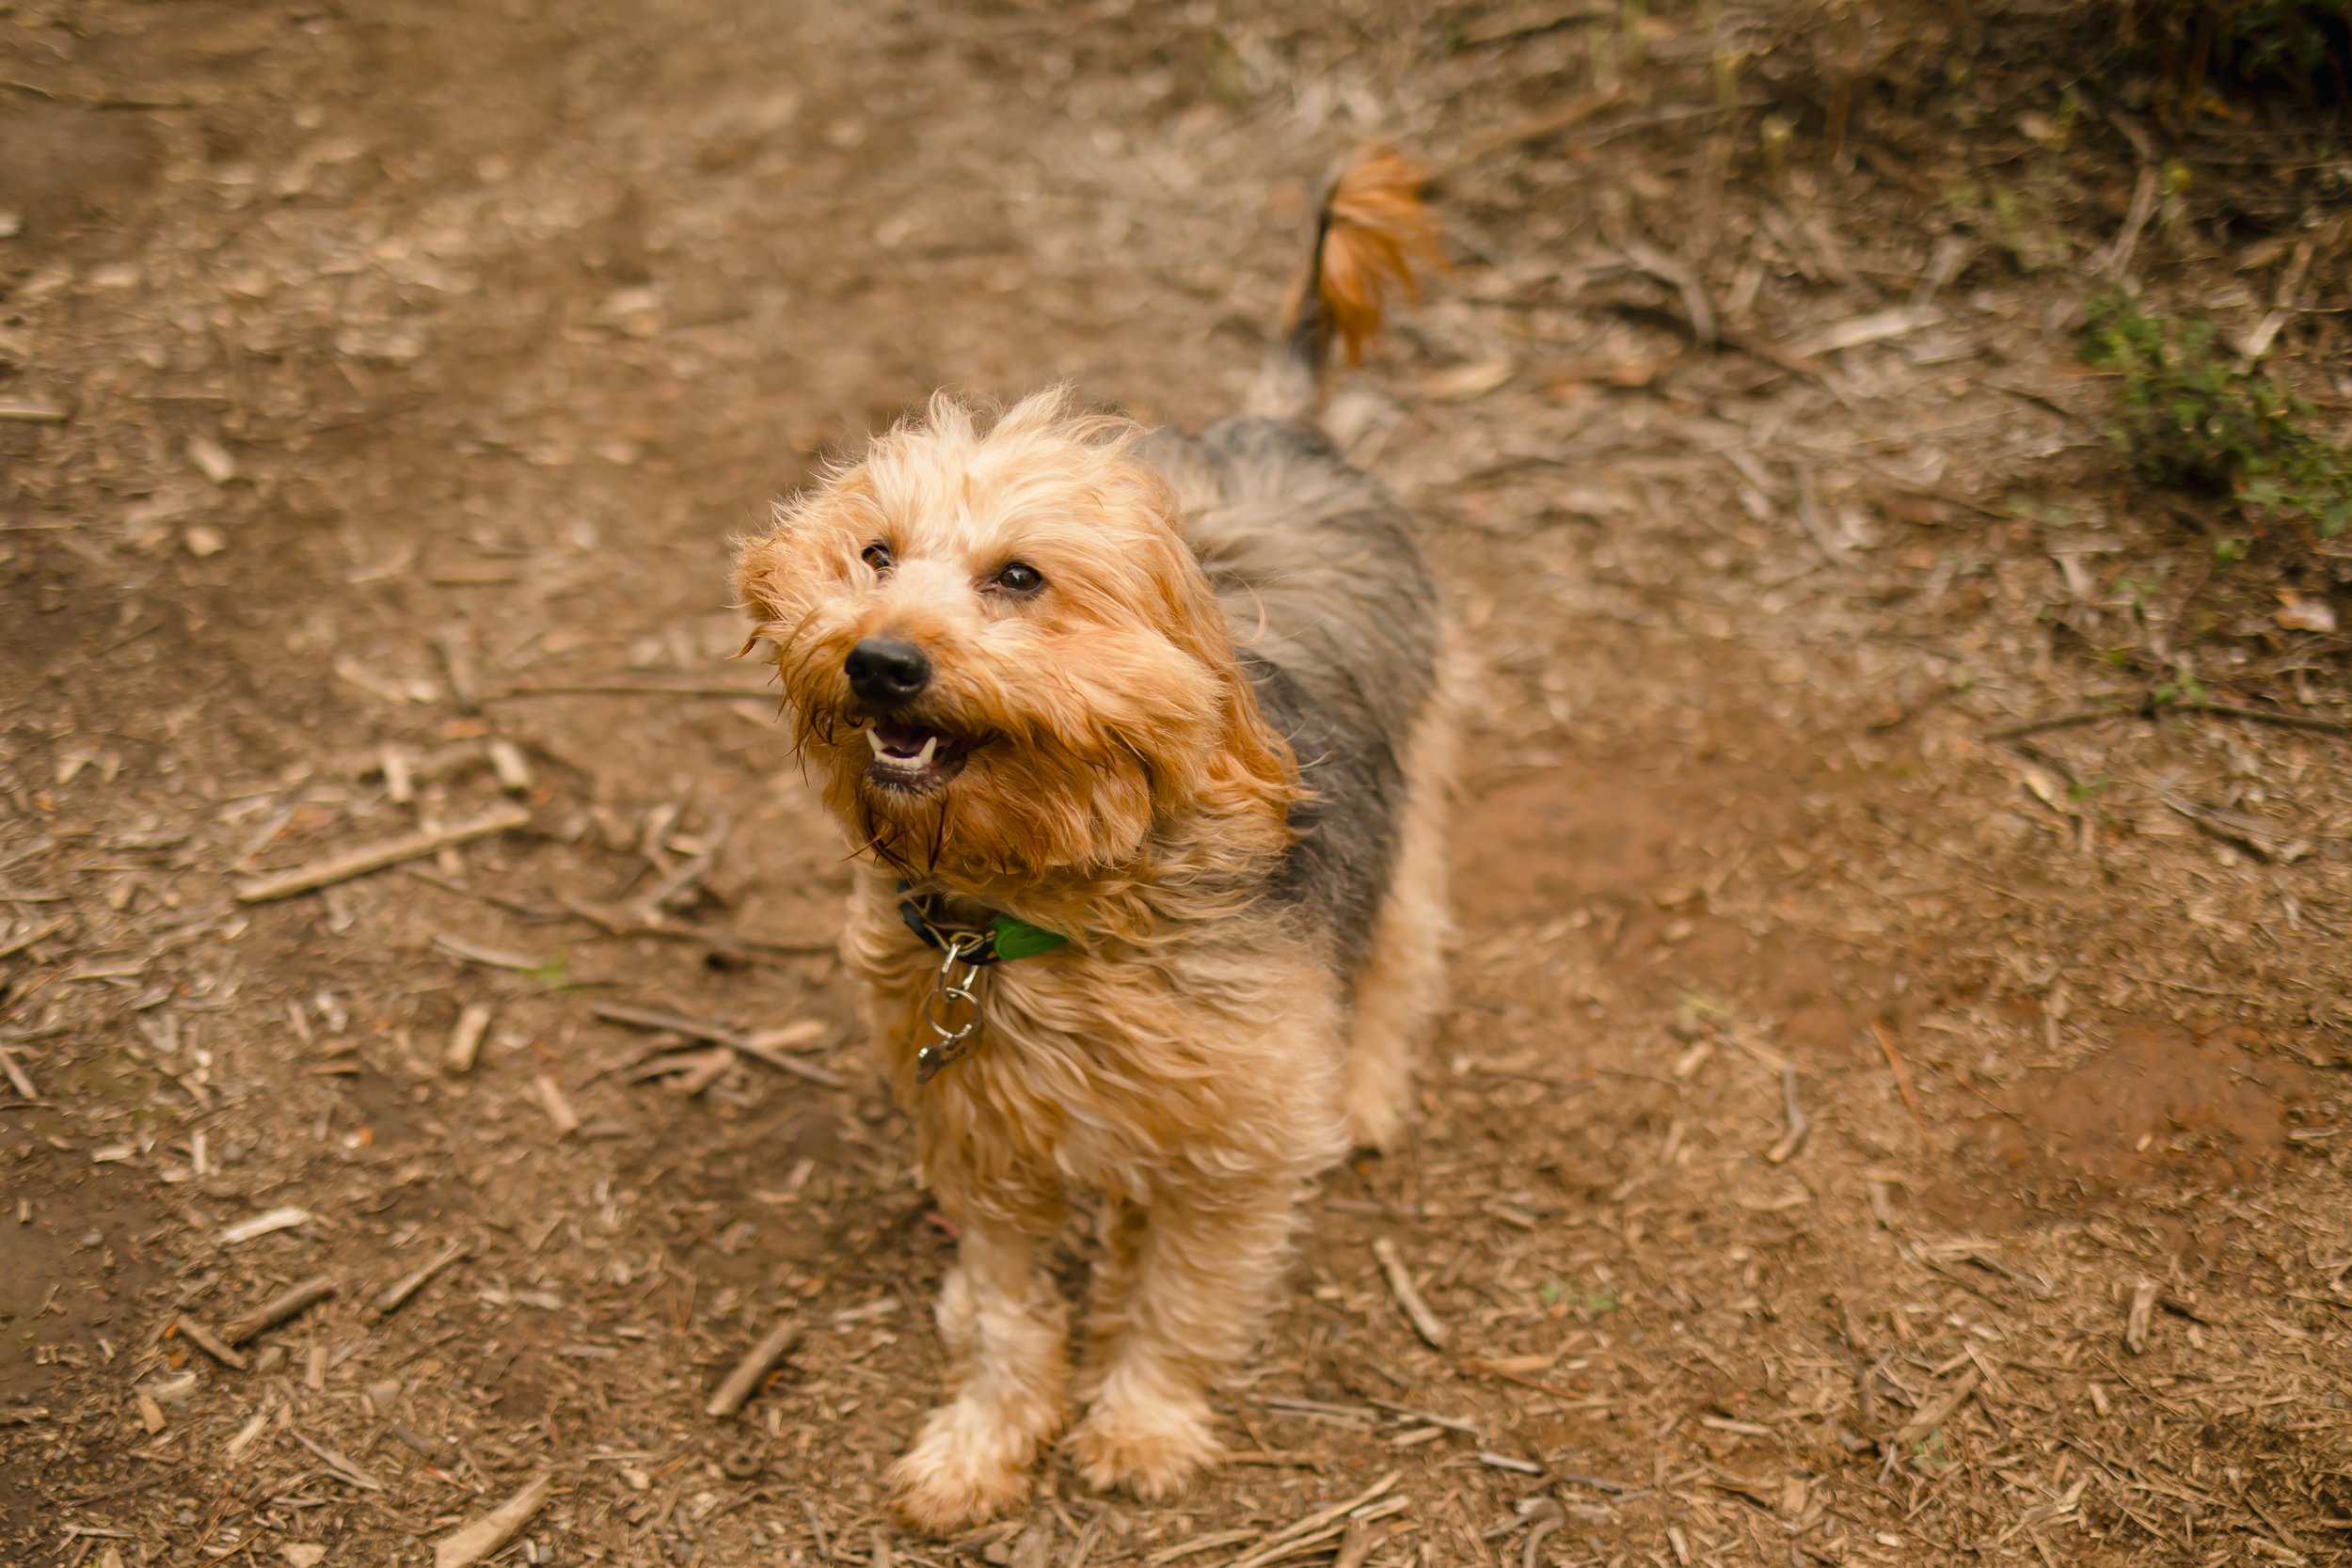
963 1470
1151 1451
1375 1117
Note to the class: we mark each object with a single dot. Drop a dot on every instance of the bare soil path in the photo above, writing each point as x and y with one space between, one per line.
379 386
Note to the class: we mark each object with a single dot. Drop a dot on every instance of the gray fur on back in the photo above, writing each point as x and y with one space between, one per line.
1337 621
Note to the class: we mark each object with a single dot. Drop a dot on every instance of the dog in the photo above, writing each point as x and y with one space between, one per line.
1142 745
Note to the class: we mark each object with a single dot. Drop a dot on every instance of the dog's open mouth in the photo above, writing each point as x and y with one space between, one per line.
912 756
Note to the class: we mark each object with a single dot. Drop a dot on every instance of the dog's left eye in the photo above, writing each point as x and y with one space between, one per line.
1020 578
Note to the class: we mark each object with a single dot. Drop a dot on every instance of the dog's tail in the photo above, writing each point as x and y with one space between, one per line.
1371 227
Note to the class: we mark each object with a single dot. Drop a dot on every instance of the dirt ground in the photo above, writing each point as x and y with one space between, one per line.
379 387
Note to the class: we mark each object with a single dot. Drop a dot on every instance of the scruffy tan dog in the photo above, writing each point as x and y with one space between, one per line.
1139 742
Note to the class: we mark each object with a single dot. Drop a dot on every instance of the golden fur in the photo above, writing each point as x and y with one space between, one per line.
1186 1057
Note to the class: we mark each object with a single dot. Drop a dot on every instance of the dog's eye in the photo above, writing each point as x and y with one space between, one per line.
877 555
1020 578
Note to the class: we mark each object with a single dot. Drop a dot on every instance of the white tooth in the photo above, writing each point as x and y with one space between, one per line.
930 747
875 741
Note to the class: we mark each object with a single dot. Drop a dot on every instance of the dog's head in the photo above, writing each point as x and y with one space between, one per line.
999 654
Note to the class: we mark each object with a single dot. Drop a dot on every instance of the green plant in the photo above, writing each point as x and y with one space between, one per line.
2191 416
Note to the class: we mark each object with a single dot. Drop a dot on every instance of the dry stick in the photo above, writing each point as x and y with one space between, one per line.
2143 1309
2055 722
773 1346
464 1041
1902 1076
1938 1411
716 1034
197 1335
1275 1544
2261 716
22 1085
1426 1323
375 857
341 1464
276 1310
16 945
394 1296
470 1545
1799 1123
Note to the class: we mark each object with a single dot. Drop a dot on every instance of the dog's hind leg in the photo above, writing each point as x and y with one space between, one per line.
1403 980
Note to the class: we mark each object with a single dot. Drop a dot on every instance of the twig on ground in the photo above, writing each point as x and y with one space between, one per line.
202 1339
1902 1074
341 1464
489 957
556 1103
1279 1543
2055 721
15 944
718 1034
280 1307
1799 1123
738 1384
465 1041
472 1542
1426 1324
262 1224
394 1296
508 763
2144 207
2142 1312
22 1085
375 857
1938 1410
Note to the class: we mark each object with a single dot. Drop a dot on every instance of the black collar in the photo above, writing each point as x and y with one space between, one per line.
924 914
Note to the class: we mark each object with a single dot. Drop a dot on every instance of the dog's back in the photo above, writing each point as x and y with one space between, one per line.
1331 601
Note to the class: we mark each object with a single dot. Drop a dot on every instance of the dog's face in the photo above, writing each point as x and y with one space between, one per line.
999 654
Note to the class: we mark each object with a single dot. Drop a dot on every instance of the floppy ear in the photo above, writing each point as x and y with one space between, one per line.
1249 765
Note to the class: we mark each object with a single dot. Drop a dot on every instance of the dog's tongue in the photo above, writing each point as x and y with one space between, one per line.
904 739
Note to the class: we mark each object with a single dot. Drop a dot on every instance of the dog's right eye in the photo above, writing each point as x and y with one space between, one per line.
877 555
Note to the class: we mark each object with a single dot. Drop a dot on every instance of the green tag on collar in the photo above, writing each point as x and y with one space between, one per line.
1017 939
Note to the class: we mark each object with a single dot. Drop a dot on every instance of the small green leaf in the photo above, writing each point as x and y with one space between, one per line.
1017 939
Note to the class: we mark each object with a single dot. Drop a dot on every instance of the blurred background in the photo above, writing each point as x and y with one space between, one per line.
1890 458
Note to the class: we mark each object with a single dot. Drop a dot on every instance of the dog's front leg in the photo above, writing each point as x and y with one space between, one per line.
1003 1322
1204 1272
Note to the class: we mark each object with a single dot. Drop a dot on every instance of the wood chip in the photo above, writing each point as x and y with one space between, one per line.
2143 1311
1855 331
262 1224
202 1339
150 1414
732 1393
375 857
556 1103
473 1541
465 1041
1799 1123
1279 1543
507 762
31 411
286 1303
1426 1323
1938 1410
394 1296
487 957
17 1079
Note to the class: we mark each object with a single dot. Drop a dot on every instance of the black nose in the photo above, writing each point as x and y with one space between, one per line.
887 674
